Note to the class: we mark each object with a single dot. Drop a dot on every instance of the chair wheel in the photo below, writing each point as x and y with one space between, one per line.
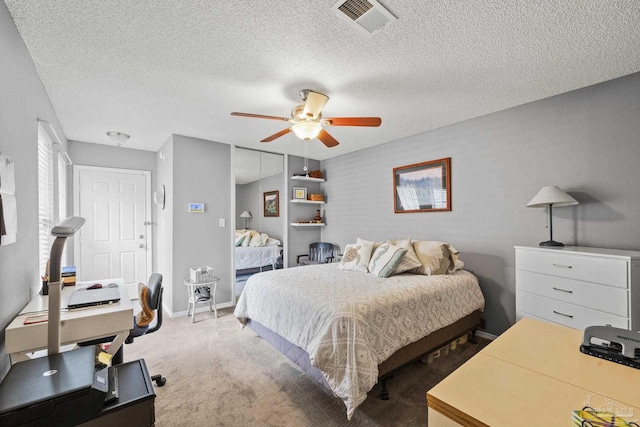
159 379
384 395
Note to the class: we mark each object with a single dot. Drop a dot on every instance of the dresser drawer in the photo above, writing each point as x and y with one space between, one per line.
571 315
592 295
608 271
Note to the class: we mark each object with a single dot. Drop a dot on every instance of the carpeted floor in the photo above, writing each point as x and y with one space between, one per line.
221 375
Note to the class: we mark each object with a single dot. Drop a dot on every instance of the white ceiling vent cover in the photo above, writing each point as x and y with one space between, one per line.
368 16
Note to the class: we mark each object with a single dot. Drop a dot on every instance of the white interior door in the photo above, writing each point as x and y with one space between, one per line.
114 241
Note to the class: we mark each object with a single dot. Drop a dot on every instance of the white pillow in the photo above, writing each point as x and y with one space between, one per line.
258 240
410 260
385 259
272 242
436 257
356 257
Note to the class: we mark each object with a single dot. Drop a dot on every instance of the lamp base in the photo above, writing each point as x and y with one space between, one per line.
552 243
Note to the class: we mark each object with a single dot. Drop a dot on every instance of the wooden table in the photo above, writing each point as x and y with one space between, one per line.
78 325
532 375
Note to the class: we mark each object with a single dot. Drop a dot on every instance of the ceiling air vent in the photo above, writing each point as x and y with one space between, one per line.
368 16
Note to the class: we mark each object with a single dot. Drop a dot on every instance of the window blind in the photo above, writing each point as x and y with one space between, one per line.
45 196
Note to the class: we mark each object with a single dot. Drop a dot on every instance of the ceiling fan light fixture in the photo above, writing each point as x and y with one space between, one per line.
314 103
307 130
118 138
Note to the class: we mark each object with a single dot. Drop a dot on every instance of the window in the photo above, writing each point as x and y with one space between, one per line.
62 185
52 189
45 196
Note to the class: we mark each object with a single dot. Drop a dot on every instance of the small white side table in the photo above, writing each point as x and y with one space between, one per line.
194 298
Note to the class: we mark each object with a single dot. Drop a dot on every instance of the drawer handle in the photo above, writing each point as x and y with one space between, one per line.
563 290
562 266
562 314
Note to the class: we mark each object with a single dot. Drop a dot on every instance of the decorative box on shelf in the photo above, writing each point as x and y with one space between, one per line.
202 274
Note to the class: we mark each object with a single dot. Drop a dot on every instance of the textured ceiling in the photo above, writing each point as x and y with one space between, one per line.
151 68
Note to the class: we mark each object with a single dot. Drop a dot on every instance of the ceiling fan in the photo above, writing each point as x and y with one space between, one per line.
307 121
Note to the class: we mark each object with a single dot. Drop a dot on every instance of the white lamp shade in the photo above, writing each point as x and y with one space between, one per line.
306 130
551 195
245 214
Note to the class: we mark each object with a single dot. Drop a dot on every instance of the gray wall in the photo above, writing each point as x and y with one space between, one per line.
164 220
195 170
586 142
22 101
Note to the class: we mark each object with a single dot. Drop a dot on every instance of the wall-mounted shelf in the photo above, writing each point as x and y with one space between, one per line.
311 224
307 178
317 202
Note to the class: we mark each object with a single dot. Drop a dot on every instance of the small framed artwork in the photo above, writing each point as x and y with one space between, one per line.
423 187
299 193
271 203
195 208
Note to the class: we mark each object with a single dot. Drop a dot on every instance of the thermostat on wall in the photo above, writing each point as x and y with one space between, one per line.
196 208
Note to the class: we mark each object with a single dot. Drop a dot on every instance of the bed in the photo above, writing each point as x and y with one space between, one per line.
348 328
254 250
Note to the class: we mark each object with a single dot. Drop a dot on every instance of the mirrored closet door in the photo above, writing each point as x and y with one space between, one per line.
260 222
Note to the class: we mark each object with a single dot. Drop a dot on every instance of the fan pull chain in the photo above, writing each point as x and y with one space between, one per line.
306 158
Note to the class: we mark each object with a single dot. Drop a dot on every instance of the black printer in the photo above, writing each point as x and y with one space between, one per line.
63 389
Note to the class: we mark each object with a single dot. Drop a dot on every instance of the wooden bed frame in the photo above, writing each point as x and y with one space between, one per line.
408 354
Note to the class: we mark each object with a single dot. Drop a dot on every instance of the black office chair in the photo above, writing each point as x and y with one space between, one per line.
319 253
154 302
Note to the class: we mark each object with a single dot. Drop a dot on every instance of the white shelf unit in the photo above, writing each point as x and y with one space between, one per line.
307 178
317 202
307 202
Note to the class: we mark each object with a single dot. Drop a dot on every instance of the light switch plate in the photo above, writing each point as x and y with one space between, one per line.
221 222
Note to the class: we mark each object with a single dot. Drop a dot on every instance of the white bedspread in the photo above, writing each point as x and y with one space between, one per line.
254 257
349 322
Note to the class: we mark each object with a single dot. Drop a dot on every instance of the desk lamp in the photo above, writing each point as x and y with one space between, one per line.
551 196
64 229
247 216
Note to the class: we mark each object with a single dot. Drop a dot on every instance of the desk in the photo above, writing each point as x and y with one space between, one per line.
532 375
75 325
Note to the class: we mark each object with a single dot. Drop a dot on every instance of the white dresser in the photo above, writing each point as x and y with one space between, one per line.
579 286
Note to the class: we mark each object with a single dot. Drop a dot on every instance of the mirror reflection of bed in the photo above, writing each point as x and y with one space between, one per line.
258 239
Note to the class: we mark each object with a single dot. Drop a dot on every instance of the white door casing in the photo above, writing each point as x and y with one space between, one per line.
115 240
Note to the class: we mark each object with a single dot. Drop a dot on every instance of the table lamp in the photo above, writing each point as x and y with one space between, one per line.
64 229
551 196
247 216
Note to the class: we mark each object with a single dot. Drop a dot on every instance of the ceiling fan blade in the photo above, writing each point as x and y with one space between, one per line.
327 139
314 104
276 135
259 116
353 121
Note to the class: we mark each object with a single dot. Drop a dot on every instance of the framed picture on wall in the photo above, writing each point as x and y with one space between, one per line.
299 193
271 203
423 187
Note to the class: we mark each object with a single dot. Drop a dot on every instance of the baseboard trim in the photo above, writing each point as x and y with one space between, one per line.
201 309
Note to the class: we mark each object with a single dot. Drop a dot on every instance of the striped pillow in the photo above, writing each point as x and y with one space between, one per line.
385 259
